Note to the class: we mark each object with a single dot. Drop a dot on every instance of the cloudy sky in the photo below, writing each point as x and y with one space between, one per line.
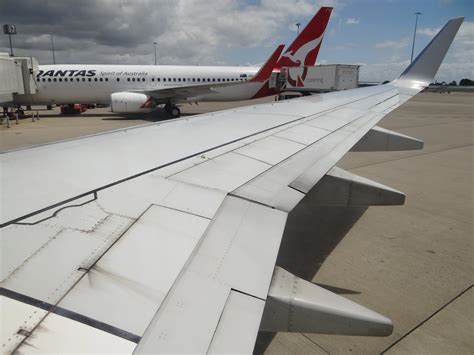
375 33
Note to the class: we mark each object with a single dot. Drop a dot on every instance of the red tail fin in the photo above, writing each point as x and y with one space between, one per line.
267 68
304 49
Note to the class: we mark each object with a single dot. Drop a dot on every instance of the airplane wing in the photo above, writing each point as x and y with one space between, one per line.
163 238
178 93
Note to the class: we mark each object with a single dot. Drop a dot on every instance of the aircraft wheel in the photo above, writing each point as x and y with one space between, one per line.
173 111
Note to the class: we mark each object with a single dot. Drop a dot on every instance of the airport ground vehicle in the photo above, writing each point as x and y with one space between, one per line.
322 78
73 109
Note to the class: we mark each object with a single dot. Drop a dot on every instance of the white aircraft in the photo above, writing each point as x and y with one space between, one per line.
163 238
140 88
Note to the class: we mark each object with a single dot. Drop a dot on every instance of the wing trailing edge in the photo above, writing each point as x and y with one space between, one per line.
296 305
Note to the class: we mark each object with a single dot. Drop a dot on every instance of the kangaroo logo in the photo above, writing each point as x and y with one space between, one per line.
297 58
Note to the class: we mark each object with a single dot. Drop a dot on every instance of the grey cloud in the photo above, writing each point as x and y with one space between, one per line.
108 31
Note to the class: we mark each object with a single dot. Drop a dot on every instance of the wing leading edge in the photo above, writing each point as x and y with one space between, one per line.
165 250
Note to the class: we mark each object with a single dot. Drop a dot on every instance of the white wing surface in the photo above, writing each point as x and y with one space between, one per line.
164 237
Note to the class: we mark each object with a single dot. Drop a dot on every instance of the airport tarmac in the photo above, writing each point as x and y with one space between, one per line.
412 263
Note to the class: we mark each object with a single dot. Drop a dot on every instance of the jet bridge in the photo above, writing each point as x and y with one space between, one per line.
17 75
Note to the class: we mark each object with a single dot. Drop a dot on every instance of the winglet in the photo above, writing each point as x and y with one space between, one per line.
266 69
423 69
305 48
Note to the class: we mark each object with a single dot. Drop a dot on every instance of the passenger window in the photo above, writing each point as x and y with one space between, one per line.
194 79
89 79
83 79
128 79
106 79
152 79
49 79
95 79
213 79
133 79
174 79
179 79
158 79
54 79
118 79
143 79
101 79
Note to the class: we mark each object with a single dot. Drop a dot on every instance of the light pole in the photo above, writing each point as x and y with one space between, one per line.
154 44
298 28
52 47
414 35
9 30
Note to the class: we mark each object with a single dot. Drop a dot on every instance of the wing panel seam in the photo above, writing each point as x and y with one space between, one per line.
51 308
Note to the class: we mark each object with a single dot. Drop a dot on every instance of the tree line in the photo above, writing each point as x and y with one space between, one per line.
462 82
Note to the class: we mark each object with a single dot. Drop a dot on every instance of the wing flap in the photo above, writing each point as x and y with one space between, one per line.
237 253
238 326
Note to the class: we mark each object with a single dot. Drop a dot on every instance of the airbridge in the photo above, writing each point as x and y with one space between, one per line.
17 77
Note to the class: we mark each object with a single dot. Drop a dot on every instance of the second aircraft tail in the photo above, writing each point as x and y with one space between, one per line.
305 48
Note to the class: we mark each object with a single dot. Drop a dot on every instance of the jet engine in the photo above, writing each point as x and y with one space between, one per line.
130 102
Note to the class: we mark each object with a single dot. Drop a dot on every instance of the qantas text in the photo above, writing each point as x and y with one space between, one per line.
63 73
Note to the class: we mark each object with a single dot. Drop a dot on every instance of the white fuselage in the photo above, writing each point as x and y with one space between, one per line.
75 83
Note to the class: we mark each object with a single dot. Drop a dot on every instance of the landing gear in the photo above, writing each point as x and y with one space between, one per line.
173 110
20 111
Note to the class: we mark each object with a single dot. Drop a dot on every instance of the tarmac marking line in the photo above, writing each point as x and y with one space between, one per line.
313 342
427 319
